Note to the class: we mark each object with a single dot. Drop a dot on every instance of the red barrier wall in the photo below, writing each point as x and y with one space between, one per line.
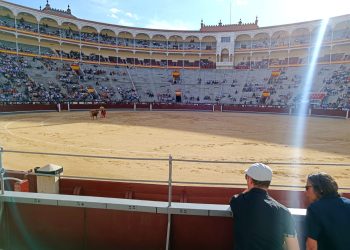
179 106
211 195
144 106
329 112
257 109
52 227
27 107
198 232
156 192
98 105
124 230
22 175
42 227
170 106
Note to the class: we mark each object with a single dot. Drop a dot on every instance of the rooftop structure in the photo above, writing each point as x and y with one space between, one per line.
229 27
64 13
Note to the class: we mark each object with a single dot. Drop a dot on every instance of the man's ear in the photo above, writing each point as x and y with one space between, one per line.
249 180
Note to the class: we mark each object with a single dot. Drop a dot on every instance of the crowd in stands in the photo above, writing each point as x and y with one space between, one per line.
7 46
106 39
7 22
166 96
202 63
342 34
17 86
279 42
337 88
69 33
23 25
292 60
12 78
89 37
102 37
25 79
45 29
263 64
296 40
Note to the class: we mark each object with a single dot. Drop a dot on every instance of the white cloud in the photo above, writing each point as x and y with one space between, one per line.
174 25
113 16
131 15
116 13
115 10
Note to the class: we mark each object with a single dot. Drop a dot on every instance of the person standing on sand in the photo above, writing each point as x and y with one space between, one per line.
103 112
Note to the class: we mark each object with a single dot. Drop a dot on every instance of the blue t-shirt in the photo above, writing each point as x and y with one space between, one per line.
328 222
260 222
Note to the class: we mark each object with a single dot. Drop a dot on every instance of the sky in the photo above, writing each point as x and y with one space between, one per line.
187 14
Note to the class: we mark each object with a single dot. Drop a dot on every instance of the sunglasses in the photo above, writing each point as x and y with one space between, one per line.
307 187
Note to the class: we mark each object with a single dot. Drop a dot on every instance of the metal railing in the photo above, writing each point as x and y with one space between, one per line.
170 161
170 181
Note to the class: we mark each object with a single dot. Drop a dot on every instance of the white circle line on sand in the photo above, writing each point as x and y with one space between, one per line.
42 123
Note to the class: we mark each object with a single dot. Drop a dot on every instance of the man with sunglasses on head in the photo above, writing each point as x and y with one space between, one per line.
328 216
260 222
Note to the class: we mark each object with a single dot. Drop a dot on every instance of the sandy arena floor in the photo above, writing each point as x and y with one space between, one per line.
184 135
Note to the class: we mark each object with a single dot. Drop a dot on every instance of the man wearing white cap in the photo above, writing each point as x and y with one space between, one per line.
260 222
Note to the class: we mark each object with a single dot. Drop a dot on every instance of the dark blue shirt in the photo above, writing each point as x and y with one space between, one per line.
260 222
328 222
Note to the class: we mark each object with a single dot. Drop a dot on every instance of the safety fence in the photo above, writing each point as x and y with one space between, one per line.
10 107
180 217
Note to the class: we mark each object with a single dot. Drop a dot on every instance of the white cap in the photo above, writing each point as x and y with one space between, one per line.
259 172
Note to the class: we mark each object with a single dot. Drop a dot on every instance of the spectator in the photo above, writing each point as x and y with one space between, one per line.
328 216
260 222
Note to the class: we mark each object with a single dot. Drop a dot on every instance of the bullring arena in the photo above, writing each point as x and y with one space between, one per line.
187 112
206 136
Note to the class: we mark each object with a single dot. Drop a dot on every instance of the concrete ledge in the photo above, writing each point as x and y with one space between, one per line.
145 206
